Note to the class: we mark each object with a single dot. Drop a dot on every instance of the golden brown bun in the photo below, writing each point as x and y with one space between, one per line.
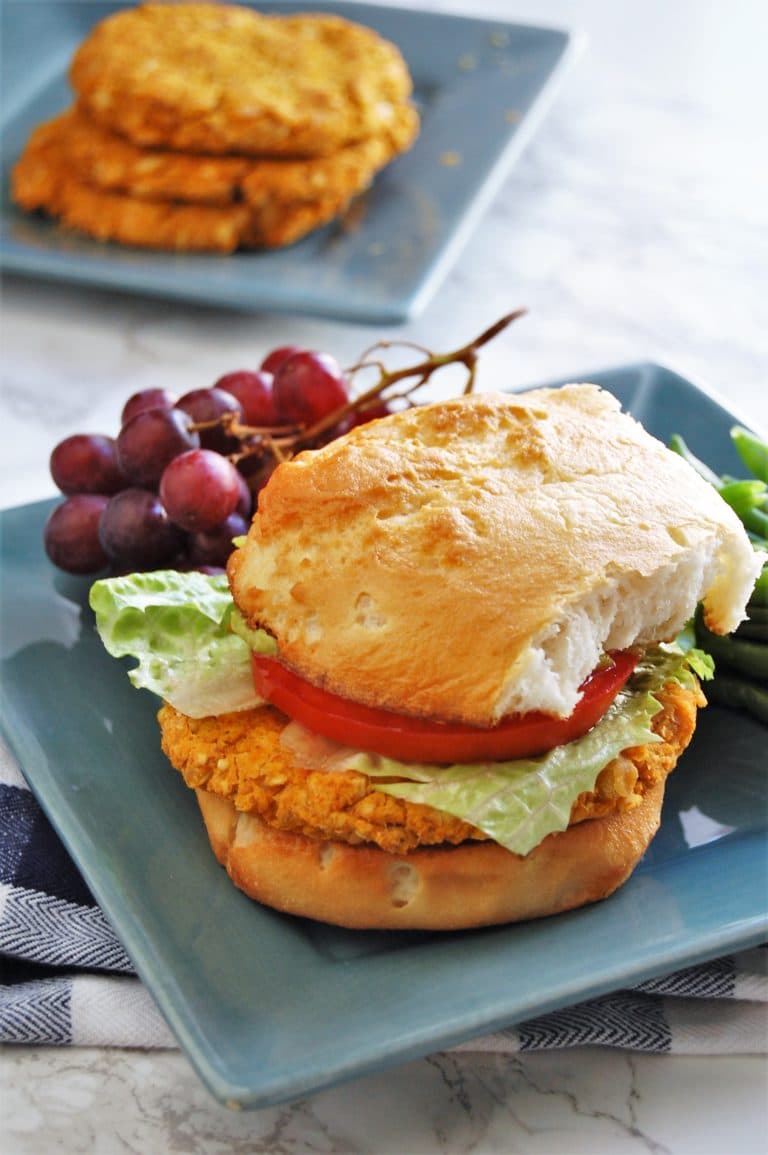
302 857
474 884
473 558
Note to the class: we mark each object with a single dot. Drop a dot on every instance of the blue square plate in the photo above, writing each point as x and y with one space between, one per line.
270 1007
481 87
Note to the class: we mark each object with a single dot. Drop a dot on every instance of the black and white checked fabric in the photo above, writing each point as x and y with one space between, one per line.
66 979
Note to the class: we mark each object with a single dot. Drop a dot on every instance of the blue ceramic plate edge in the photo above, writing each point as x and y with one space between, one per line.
336 1070
575 44
399 307
706 388
746 933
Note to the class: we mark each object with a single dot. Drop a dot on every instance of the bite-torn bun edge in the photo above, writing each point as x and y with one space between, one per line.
442 530
446 888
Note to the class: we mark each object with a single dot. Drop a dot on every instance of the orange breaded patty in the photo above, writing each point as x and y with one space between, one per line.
240 757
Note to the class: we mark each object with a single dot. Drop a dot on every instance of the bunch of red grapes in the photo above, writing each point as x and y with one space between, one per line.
179 481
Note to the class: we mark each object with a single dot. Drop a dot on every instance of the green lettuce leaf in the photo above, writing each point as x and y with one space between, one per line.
177 626
702 663
192 648
519 803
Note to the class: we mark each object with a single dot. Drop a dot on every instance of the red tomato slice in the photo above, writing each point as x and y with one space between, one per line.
422 740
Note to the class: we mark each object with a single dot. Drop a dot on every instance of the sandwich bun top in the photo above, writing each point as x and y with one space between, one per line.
474 557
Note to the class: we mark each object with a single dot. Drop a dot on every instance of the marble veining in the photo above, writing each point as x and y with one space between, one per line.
98 1102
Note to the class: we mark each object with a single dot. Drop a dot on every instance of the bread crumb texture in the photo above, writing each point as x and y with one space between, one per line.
106 187
473 558
225 78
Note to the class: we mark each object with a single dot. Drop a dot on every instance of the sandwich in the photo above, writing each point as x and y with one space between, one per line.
445 678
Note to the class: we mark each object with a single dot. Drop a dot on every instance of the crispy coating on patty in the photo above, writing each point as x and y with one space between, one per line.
106 162
239 756
271 209
223 78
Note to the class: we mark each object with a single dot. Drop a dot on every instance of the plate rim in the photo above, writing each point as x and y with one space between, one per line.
405 301
268 1091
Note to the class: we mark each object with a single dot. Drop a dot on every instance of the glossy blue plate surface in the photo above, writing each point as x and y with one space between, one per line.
270 1007
481 87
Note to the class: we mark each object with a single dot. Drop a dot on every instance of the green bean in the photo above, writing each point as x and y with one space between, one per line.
678 445
752 629
756 521
758 614
743 495
741 658
739 694
749 657
752 451
759 595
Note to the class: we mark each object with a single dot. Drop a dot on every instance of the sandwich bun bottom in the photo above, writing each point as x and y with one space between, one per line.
433 888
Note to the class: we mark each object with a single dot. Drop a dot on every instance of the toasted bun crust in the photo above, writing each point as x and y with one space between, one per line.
473 558
451 888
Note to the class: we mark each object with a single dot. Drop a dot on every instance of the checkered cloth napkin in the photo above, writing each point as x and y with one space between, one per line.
65 978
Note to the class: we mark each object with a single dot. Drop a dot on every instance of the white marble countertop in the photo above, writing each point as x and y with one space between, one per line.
559 1103
634 227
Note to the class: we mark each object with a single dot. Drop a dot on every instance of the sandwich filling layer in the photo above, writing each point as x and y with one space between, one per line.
254 759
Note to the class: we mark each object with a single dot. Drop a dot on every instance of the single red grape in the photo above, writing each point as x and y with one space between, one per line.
371 412
136 532
87 463
254 392
275 358
150 440
355 418
213 547
147 399
210 405
245 501
308 386
200 489
71 534
258 471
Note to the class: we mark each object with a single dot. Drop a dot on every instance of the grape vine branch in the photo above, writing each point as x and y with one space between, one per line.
281 442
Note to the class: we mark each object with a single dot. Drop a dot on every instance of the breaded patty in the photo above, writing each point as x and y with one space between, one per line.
103 187
240 757
107 163
44 182
222 78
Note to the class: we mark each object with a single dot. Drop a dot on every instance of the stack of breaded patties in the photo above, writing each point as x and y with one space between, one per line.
213 127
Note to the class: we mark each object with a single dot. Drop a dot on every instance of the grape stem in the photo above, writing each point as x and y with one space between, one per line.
281 442
467 355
